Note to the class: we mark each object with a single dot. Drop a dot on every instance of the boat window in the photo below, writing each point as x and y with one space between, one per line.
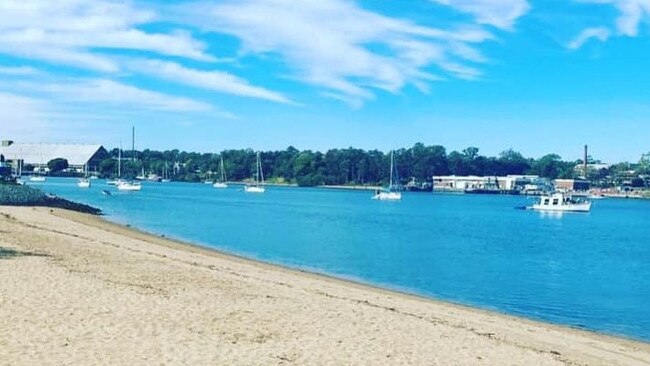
546 201
555 201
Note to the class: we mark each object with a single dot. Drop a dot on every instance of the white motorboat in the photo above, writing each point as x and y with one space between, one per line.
129 186
391 193
561 202
220 185
37 178
258 187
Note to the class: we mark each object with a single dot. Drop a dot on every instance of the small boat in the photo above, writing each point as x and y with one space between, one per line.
129 186
561 202
222 183
259 179
37 178
165 180
391 193
106 192
83 183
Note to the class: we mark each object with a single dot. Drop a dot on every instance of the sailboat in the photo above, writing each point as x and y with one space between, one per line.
38 177
222 183
117 181
391 193
84 182
125 185
165 177
259 179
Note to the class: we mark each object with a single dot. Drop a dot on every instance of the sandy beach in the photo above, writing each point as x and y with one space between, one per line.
76 289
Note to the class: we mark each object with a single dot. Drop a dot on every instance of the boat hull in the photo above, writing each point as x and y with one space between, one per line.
83 184
387 196
581 207
129 187
220 185
253 189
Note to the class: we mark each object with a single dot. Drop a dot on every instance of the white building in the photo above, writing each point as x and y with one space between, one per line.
507 183
38 155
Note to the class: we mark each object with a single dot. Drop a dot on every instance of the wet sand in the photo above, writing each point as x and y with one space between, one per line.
76 289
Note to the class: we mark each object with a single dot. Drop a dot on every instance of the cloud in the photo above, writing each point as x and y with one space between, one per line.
18 71
211 80
631 14
347 51
498 13
107 94
600 33
71 32
28 117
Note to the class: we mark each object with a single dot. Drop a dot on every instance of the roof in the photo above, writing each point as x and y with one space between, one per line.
75 154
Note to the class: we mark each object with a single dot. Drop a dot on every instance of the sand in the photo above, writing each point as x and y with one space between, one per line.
75 289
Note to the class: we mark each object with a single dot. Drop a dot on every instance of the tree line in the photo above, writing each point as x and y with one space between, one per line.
349 166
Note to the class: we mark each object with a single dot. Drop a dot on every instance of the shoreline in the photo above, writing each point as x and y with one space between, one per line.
470 322
102 222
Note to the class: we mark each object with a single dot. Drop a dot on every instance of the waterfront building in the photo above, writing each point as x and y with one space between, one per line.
520 183
38 155
570 185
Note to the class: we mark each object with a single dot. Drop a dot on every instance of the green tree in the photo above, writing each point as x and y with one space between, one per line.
644 164
57 165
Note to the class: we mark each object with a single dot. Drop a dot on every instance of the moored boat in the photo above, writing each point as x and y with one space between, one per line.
83 183
561 202
129 186
391 193
258 187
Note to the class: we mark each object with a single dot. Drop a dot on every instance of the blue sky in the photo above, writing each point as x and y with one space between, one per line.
535 76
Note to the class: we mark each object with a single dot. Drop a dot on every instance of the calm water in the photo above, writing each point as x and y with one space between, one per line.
585 270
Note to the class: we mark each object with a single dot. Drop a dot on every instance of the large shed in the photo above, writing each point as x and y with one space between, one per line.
36 154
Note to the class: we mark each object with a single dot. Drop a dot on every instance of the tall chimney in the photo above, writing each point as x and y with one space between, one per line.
585 161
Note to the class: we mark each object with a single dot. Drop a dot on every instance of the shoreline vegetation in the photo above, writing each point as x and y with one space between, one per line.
92 291
352 166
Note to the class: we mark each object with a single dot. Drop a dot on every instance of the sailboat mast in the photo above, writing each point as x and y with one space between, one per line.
259 162
119 161
223 171
392 160
133 144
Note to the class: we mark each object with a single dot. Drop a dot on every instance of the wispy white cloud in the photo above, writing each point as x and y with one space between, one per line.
212 80
498 13
70 32
28 117
18 70
105 94
599 33
342 48
631 15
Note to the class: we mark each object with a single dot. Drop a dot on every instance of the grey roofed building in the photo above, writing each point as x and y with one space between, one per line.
36 154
